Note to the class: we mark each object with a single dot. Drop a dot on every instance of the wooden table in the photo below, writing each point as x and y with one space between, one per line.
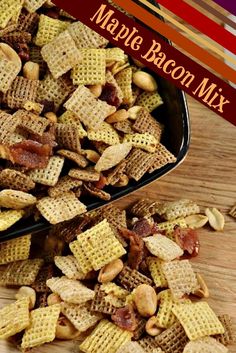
207 176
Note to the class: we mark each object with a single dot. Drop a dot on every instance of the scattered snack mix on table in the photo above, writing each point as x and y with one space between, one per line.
113 281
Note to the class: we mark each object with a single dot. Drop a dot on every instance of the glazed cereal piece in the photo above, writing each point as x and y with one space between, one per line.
162 158
124 81
100 246
71 291
85 37
206 345
180 277
69 267
92 111
54 90
179 209
138 163
163 247
92 68
50 175
42 327
15 250
48 29
227 337
8 126
61 208
20 273
21 91
8 218
61 54
63 185
198 320
14 318
165 317
16 200
106 338
130 279
145 123
67 137
75 157
149 100
149 344
45 273
173 340
99 303
33 5
80 316
146 141
155 268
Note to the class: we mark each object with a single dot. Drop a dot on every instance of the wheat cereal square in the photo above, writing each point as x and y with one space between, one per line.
92 68
14 318
180 277
71 291
106 338
42 327
48 29
198 320
61 55
92 111
15 250
61 208
162 247
80 316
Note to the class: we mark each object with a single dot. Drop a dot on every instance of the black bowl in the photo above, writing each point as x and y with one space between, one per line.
174 114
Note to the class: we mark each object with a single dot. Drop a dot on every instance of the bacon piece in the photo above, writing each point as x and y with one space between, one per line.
109 95
136 249
30 154
125 318
144 229
188 240
101 183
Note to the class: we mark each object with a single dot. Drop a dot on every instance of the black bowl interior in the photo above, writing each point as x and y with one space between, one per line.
174 115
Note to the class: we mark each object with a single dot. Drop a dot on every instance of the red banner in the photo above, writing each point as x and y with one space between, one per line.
155 53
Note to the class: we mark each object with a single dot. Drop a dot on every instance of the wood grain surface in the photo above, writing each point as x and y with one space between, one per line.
207 176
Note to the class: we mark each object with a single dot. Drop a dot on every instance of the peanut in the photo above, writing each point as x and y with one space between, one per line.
53 299
65 330
133 112
31 70
96 90
196 221
51 116
216 219
151 327
144 81
120 115
110 271
145 299
203 291
124 181
29 293
6 52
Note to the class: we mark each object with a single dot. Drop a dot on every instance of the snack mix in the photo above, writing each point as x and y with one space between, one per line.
113 281
75 114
